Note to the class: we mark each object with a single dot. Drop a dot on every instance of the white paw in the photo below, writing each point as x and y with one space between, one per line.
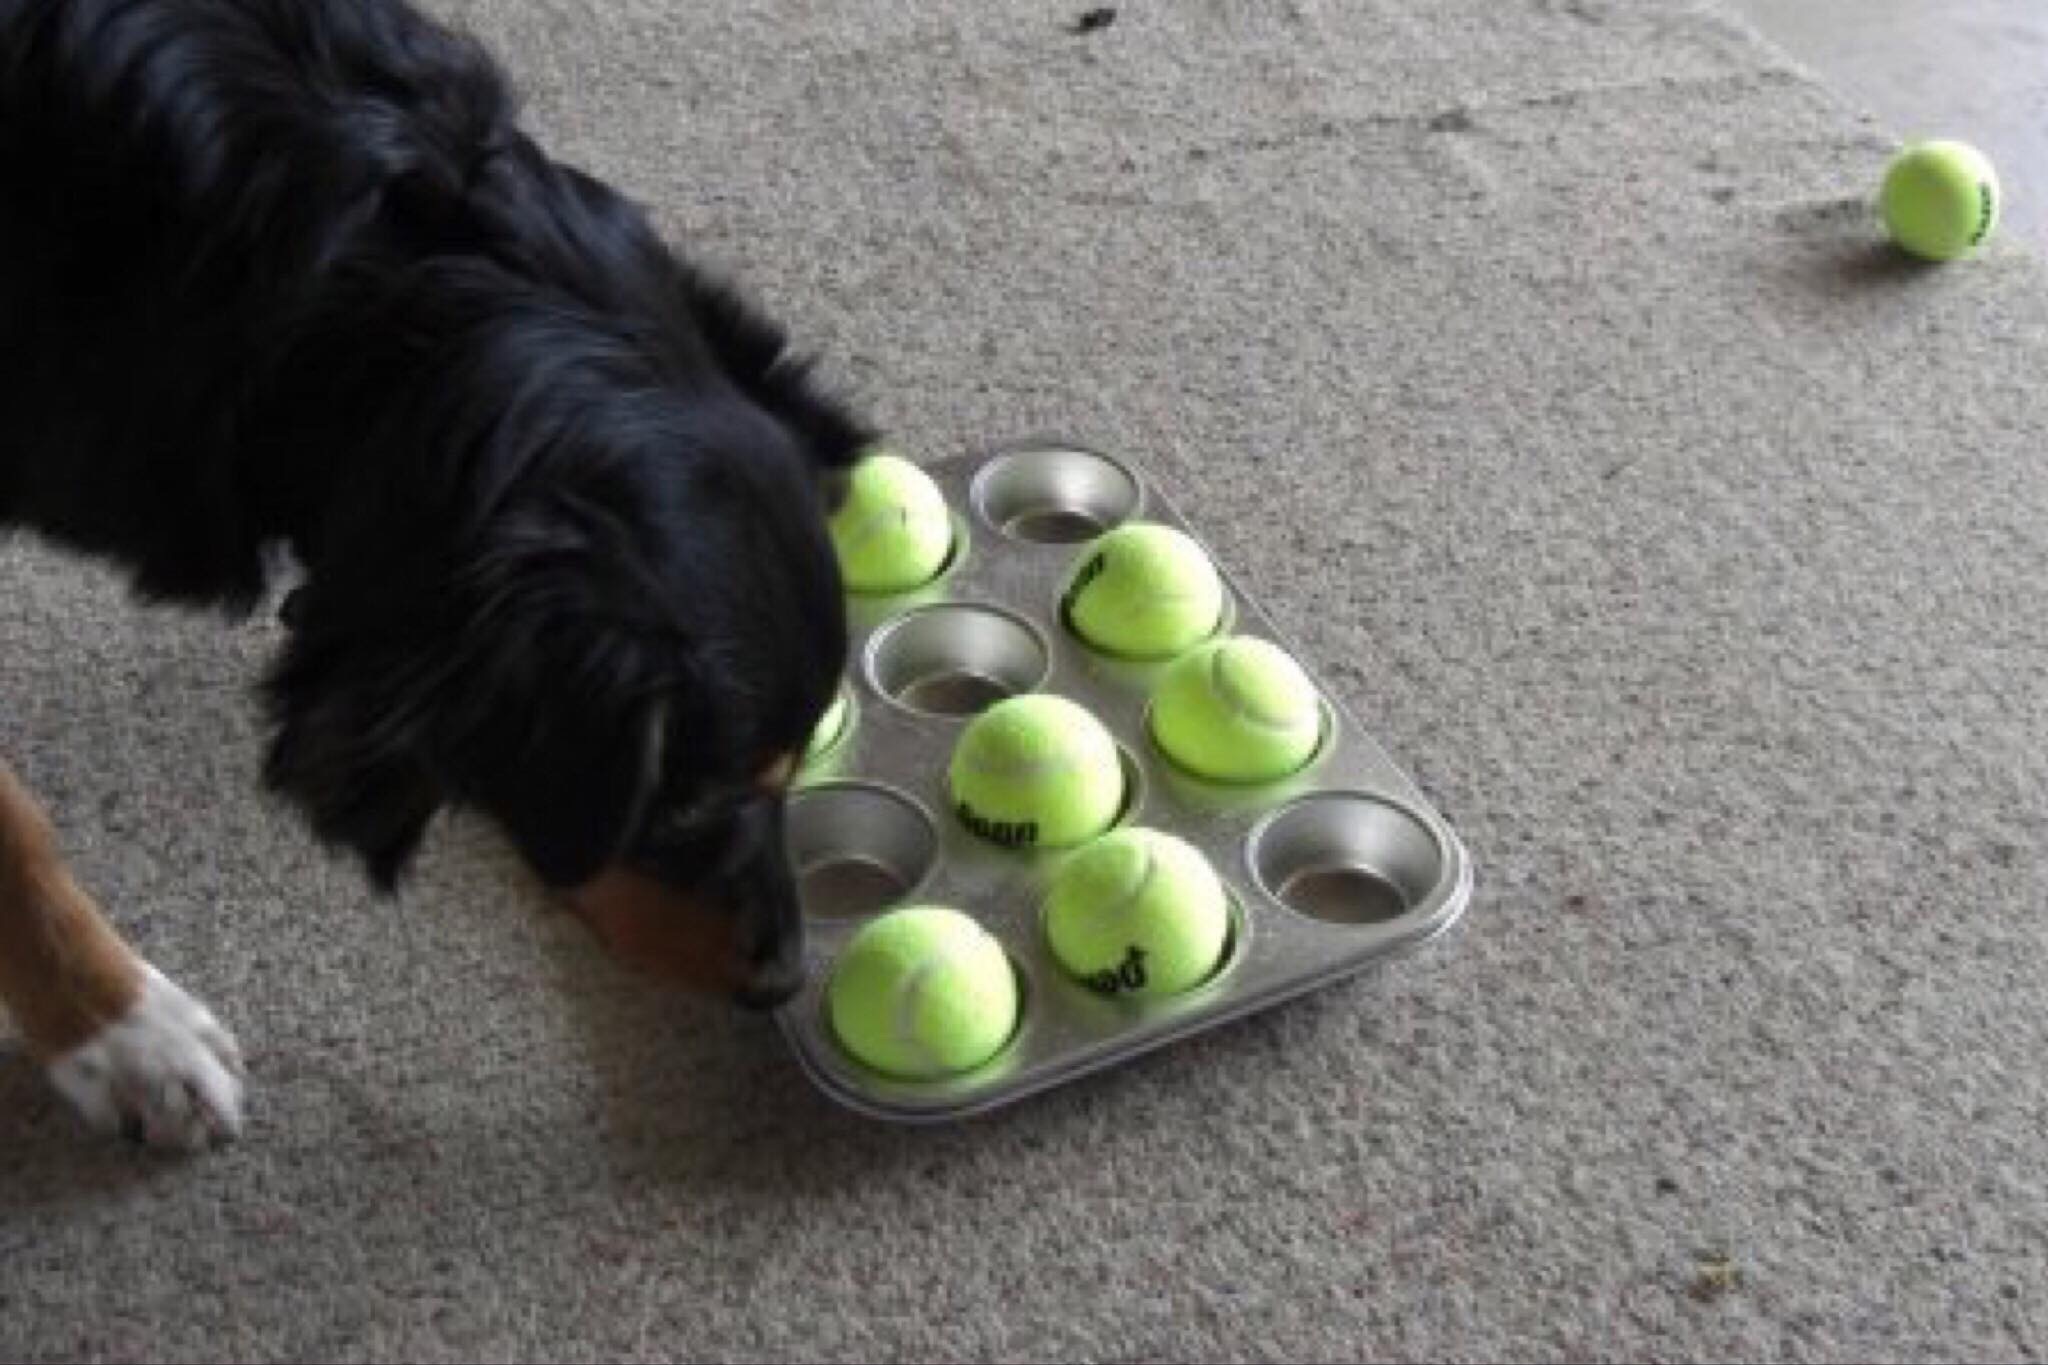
166 1073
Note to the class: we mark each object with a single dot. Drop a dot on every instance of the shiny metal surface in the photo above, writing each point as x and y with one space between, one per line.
1338 868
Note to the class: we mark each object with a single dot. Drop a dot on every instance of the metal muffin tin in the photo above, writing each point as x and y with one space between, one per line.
1334 869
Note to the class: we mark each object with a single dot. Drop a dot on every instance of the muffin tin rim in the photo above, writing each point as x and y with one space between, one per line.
1348 762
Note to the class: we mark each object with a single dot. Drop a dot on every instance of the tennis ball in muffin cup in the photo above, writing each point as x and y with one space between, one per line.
1143 591
1138 913
922 993
893 532
1237 710
1036 771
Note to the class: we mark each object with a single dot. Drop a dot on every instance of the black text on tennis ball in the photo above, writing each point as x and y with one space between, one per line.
1036 771
1138 913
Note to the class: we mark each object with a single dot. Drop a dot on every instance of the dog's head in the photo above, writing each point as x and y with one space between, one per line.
599 604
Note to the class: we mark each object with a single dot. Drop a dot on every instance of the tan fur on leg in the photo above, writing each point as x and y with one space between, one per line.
64 972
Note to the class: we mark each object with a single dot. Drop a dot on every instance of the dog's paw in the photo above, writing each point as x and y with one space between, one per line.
166 1074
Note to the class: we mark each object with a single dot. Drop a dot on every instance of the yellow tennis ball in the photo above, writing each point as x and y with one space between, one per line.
1036 771
1940 199
1143 591
1237 710
922 992
830 729
1138 913
894 531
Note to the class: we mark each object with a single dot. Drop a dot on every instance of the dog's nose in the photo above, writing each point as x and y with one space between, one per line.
771 986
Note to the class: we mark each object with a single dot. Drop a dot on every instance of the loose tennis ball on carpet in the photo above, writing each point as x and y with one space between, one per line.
1138 913
921 993
1940 199
1143 591
830 729
1237 710
894 531
1036 771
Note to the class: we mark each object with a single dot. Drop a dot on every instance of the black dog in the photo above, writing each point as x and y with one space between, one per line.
286 273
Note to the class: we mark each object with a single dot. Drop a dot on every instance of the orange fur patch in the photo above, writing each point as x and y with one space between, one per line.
655 931
65 974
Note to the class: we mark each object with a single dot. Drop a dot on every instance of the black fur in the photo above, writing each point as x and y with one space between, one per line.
287 272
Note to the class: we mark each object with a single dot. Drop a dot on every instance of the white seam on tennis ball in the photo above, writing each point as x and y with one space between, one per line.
909 996
1123 908
1237 704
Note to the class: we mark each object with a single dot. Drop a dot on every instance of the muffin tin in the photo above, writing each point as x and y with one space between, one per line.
1340 866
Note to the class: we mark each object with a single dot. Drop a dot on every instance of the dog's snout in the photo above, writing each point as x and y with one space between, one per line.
738 932
771 987
770 932
772 941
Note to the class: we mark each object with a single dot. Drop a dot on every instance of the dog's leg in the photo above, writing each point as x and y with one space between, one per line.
131 1051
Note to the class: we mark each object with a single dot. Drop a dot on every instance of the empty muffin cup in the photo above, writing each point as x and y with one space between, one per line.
857 848
955 660
1055 495
1347 858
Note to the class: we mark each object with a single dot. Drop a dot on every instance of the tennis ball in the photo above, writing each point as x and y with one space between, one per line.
1036 771
1236 710
1940 199
922 992
1139 913
1144 591
831 727
893 532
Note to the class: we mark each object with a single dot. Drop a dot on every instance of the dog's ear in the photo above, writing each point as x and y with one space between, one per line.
758 355
348 743
506 685
565 765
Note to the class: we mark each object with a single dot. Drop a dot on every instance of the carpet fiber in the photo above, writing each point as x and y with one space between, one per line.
1537 364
